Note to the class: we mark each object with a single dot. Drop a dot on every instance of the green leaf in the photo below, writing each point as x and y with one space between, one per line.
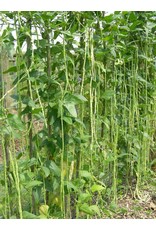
55 168
31 103
12 69
36 110
71 109
80 122
97 188
15 122
26 110
146 135
84 197
70 186
33 183
32 161
95 209
74 98
42 216
46 171
56 184
85 174
108 94
86 209
28 101
68 120
52 104
12 217
80 97
43 43
57 48
28 215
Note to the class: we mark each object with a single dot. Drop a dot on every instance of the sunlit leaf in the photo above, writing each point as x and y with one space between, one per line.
95 209
80 97
71 109
86 209
33 183
84 197
28 215
97 188
85 174
55 168
46 171
68 120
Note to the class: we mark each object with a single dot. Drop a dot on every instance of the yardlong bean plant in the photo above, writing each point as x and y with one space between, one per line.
78 111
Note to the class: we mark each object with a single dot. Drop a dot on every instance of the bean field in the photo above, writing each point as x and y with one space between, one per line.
77 115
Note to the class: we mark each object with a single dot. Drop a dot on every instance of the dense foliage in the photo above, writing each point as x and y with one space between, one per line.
83 113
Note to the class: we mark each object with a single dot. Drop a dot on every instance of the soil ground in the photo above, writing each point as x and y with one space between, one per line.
130 208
